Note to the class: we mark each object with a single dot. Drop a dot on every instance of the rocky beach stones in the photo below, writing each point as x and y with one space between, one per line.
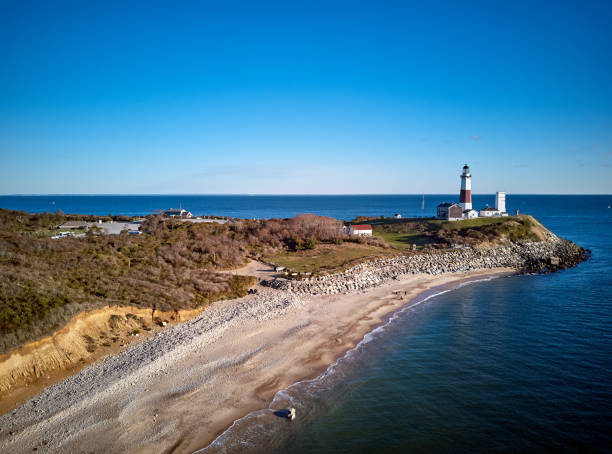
525 257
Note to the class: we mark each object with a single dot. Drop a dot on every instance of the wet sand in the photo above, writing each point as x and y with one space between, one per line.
182 388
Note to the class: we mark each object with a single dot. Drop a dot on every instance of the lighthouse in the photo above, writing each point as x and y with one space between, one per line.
465 196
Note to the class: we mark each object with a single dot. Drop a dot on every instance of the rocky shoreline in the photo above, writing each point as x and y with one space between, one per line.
525 257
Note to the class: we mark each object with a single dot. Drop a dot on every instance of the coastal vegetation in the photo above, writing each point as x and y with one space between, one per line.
178 265
393 237
438 234
175 265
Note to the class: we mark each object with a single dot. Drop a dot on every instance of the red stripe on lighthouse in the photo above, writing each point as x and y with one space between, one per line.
465 196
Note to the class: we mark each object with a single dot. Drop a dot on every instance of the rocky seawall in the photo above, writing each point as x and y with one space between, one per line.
525 257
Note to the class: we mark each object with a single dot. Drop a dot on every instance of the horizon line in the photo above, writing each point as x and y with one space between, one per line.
245 194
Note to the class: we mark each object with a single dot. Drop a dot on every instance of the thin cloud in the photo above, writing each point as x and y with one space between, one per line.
475 137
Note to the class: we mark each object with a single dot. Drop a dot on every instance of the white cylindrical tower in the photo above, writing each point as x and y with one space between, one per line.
500 201
465 196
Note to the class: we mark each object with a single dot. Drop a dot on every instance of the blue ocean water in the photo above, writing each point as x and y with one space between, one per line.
261 206
515 364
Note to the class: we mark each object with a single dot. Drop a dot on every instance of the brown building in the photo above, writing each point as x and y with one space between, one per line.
450 211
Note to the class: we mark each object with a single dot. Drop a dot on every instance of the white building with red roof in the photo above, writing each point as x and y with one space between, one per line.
361 230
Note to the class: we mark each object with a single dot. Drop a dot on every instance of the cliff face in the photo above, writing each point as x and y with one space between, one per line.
88 336
524 257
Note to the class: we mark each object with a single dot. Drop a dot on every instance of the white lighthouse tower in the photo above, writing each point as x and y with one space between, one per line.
500 201
465 196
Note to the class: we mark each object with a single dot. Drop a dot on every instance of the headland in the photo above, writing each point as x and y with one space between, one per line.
179 387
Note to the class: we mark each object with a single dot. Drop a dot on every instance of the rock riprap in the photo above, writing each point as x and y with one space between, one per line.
525 257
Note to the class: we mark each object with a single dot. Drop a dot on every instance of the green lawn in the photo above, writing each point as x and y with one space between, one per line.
402 240
327 257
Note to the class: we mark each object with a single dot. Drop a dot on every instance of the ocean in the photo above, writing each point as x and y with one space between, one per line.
256 206
512 364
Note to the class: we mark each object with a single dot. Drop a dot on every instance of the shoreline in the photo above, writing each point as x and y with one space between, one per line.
185 392
420 298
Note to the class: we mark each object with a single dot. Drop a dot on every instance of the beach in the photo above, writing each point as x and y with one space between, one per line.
182 388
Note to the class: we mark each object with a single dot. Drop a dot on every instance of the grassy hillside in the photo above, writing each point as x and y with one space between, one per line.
428 233
410 236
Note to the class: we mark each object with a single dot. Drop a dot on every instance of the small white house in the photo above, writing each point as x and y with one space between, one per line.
470 214
397 216
361 230
490 212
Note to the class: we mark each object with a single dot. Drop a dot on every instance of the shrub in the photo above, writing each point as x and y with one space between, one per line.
310 243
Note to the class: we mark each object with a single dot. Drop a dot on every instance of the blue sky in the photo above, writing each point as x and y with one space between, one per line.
288 97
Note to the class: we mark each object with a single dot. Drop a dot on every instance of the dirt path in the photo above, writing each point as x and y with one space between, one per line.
254 268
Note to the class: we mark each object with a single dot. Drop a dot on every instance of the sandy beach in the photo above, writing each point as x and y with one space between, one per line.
179 390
